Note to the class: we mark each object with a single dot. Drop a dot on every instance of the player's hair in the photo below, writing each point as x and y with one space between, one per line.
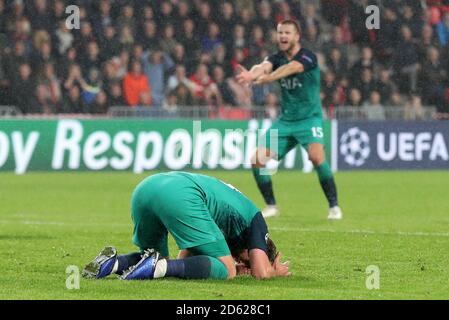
293 23
271 251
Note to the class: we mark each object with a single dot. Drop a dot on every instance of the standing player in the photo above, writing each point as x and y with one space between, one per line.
212 223
301 119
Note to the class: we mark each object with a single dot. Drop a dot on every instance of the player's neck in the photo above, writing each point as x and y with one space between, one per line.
293 51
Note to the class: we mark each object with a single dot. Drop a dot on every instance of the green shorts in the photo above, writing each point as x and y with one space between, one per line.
162 205
291 133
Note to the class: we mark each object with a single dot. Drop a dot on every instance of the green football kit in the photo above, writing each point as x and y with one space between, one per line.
300 122
202 213
301 118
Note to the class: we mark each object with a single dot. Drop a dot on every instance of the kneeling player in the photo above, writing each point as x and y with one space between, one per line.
213 224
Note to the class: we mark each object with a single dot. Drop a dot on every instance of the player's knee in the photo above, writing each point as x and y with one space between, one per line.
256 161
316 158
261 157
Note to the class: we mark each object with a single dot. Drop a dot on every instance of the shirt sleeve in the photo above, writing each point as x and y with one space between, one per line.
274 61
258 234
308 60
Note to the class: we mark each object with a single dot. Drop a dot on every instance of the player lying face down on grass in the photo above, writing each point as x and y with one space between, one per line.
219 231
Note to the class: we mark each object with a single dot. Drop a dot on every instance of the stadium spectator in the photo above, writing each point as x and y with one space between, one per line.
14 59
171 104
224 87
385 86
265 16
284 12
156 65
3 17
103 19
203 18
367 84
412 21
355 98
49 83
311 39
443 29
337 63
328 88
109 44
150 38
406 62
396 100
309 19
91 59
212 40
168 41
373 108
227 20
388 39
366 61
183 14
115 97
136 86
73 102
126 38
256 42
44 103
183 96
433 79
427 40
228 33
180 77
22 86
414 109
126 18
190 39
100 104
206 91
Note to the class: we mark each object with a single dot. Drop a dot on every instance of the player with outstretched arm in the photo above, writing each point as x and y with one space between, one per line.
301 119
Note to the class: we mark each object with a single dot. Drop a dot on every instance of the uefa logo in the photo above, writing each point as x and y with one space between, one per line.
354 147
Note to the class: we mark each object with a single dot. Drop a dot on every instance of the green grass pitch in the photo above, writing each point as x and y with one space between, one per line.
398 221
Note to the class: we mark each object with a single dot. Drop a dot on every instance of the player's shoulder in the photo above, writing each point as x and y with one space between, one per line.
275 57
307 54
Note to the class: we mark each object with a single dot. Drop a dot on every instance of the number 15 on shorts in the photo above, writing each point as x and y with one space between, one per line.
317 132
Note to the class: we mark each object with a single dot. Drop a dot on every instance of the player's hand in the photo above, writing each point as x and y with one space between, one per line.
263 79
244 76
281 268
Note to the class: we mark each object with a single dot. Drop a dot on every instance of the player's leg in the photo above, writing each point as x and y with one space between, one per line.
108 262
262 155
148 233
311 136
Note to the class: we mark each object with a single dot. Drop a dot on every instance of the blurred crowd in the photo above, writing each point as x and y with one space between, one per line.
172 53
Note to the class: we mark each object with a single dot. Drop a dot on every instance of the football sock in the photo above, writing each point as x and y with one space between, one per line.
125 261
327 183
265 186
196 267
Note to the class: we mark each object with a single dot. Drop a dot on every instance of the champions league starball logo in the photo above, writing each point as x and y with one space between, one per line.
354 147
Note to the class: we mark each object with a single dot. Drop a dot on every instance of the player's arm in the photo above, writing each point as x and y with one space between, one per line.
248 76
291 68
260 247
261 268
